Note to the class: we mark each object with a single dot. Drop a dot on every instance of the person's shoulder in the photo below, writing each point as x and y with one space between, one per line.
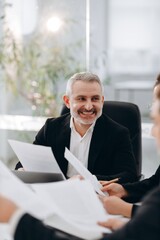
112 123
153 195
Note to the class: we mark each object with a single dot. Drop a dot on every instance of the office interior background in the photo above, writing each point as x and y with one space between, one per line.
42 43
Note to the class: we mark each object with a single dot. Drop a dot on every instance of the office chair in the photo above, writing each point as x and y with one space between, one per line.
128 115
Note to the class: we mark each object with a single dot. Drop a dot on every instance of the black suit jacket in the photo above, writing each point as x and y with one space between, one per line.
110 153
138 190
144 225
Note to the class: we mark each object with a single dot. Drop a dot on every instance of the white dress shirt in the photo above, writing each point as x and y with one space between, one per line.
79 146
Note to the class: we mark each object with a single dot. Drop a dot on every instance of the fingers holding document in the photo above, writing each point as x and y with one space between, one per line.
113 223
114 189
116 206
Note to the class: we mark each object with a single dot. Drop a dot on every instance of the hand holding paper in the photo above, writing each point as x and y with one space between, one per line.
83 171
35 158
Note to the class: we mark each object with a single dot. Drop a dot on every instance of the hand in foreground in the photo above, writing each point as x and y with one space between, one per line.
113 223
116 206
115 189
7 209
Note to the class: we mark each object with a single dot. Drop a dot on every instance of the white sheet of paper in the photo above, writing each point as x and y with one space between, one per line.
72 198
83 171
35 157
4 232
23 195
79 207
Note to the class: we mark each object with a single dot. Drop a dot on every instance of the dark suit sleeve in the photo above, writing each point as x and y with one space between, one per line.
138 190
122 160
144 224
30 228
135 209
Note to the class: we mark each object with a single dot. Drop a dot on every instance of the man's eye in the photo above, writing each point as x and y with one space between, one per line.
95 99
81 99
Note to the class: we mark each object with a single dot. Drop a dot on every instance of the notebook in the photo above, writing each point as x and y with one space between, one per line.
38 177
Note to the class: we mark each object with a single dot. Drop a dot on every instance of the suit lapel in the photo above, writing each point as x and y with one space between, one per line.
65 133
98 140
63 140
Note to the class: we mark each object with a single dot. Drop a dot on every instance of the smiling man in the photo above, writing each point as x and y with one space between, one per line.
102 145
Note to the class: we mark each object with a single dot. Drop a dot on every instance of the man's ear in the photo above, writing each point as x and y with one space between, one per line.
103 99
66 101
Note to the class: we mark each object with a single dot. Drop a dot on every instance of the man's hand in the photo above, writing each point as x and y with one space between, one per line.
7 209
116 206
113 223
115 189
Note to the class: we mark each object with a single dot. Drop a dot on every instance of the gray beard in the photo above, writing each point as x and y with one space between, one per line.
86 122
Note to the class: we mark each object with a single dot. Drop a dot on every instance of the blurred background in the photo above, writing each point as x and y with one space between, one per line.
42 43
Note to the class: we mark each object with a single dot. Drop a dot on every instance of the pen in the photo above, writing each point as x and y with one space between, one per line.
111 181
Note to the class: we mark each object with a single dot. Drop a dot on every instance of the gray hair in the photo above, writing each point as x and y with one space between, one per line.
85 77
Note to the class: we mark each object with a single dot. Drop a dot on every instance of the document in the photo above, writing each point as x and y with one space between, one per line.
71 206
79 207
13 188
35 158
83 171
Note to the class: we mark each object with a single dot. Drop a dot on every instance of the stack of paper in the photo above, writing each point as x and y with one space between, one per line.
79 208
72 205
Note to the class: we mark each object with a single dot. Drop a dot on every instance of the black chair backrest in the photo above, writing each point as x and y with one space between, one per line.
128 115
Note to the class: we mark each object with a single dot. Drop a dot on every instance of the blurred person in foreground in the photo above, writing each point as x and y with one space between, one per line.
131 192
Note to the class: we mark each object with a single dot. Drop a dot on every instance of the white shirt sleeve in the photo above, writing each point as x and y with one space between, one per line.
14 220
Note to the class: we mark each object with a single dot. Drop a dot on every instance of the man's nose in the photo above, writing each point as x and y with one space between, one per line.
88 105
